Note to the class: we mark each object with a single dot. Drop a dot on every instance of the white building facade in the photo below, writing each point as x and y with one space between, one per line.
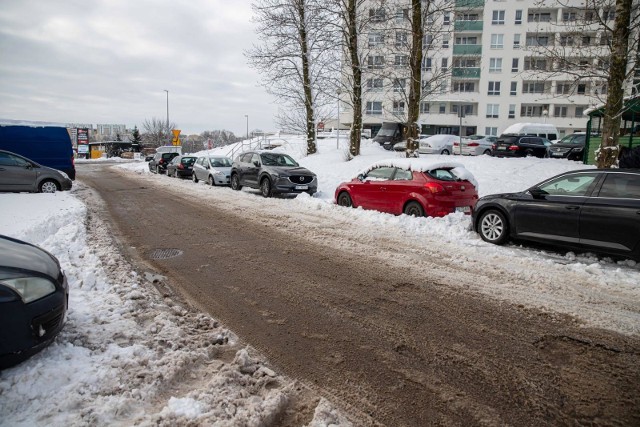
493 65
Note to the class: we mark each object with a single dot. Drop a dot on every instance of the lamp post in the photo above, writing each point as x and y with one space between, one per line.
247 117
167 111
338 138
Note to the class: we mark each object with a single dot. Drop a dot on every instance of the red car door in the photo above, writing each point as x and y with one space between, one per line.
397 191
371 191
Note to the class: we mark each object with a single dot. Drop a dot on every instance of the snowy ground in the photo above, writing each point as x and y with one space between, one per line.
129 355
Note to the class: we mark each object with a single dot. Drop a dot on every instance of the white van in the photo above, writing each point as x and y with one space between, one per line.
544 130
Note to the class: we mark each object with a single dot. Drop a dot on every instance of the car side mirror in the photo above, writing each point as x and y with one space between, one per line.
256 164
360 177
537 193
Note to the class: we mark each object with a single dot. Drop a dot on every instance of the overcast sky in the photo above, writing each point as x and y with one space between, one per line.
109 61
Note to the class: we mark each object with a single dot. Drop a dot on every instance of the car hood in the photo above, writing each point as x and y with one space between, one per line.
289 170
17 254
491 197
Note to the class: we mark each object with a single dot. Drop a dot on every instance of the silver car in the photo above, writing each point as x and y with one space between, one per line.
475 145
18 174
214 170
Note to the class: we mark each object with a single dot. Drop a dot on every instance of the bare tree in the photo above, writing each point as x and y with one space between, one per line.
157 132
592 51
292 58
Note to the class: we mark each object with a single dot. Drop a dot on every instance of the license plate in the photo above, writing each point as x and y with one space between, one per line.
302 187
465 209
556 154
501 148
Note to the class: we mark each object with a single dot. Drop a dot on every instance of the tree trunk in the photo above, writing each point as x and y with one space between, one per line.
608 152
415 82
352 45
306 81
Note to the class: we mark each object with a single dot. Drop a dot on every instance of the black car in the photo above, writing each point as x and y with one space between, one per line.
181 166
570 147
160 162
271 173
593 210
34 297
520 146
18 173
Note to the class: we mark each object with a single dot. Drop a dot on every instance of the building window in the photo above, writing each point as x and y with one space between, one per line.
536 40
582 89
374 108
428 40
514 65
376 15
465 63
401 39
467 40
566 40
586 40
497 41
467 17
514 88
533 87
568 16
518 17
494 88
539 17
444 64
560 112
399 85
375 62
442 109
495 65
443 86
466 108
532 110
374 85
563 88
580 111
491 131
512 111
498 17
609 15
426 86
398 107
376 39
445 41
516 41
424 108
464 87
446 19
426 63
402 14
401 60
493 111
535 64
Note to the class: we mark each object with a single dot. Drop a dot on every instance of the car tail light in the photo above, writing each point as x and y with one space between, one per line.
473 144
513 148
435 188
455 144
180 166
161 161
493 146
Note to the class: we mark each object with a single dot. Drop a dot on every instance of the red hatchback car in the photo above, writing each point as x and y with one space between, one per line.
411 186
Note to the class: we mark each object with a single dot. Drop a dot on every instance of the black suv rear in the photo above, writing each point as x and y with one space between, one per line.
519 146
160 161
271 173
570 147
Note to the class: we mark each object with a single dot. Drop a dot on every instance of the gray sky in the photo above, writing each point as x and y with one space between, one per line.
109 61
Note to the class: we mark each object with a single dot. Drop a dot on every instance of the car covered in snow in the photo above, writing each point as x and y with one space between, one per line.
34 297
415 187
437 144
474 145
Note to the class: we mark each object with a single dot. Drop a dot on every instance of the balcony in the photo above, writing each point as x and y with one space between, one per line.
461 26
466 73
467 49
469 4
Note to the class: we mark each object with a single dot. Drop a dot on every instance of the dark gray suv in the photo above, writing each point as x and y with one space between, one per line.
271 173
18 174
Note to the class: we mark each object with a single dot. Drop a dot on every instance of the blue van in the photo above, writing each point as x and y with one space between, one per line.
48 145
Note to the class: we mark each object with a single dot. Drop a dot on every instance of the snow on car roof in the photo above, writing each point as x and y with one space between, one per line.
425 165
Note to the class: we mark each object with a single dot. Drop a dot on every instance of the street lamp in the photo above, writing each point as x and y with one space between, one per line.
167 110
247 117
338 138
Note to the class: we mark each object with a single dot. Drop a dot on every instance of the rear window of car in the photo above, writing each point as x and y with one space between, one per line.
508 139
188 160
442 174
169 155
623 186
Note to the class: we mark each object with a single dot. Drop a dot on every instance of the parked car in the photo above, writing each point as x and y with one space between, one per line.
520 146
415 187
474 145
271 173
160 162
18 173
593 210
181 166
34 297
437 144
215 170
570 147
543 130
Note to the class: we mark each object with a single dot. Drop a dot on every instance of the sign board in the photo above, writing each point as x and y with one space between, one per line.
83 136
321 126
176 137
83 148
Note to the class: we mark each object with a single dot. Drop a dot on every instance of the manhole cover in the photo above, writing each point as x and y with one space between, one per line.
165 253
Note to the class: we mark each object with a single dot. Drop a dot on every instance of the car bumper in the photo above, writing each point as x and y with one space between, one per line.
66 184
222 180
184 173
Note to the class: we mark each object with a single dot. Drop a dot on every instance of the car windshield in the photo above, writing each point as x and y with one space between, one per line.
188 160
386 132
272 159
219 162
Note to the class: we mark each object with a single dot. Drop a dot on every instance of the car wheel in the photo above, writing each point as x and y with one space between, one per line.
487 153
235 182
211 181
194 178
265 187
413 209
48 186
528 153
344 199
493 227
445 152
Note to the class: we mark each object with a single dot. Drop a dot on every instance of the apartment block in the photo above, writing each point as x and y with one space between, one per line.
492 62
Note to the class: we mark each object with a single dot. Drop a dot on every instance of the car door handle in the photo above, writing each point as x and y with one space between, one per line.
573 208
